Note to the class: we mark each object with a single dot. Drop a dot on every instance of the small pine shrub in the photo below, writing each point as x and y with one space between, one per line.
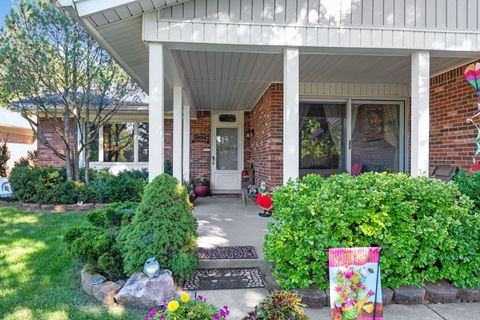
163 227
97 244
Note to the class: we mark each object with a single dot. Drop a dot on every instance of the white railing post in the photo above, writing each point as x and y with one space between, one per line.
156 111
177 133
186 143
420 113
291 100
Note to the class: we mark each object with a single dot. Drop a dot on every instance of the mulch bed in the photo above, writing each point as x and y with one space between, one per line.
233 252
224 278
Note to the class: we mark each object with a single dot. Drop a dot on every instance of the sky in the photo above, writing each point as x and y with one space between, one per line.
5 6
6 116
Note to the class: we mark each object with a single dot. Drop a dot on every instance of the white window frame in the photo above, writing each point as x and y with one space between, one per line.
130 165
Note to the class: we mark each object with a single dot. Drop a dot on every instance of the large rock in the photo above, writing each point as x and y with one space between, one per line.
409 295
143 292
469 295
440 292
105 292
87 280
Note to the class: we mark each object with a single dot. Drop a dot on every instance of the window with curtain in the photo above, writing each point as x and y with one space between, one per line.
322 136
376 136
118 142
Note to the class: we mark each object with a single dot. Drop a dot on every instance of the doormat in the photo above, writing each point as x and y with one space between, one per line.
224 278
233 252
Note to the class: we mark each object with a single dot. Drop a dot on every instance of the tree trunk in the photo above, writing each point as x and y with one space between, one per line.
68 155
87 164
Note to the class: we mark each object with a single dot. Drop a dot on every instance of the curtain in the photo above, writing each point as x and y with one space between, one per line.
334 115
392 131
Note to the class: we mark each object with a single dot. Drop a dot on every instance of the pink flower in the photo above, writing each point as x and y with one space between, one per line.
215 316
371 293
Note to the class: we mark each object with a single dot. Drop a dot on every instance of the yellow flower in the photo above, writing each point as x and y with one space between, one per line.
173 305
185 298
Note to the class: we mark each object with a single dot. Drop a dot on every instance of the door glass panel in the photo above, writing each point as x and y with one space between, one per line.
376 137
227 149
322 138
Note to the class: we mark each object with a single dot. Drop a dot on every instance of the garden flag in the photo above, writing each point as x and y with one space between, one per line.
472 75
355 290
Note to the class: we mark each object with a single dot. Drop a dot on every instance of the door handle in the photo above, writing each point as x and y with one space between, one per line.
213 160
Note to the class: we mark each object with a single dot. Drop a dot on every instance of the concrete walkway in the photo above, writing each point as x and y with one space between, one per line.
226 221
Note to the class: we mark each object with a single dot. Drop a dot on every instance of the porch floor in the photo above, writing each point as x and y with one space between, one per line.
226 221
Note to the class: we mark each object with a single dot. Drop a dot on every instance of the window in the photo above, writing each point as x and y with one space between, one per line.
322 137
377 136
142 142
118 142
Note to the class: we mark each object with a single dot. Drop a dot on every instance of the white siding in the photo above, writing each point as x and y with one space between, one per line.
418 14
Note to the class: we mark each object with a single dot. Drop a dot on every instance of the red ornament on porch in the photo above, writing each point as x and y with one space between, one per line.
264 200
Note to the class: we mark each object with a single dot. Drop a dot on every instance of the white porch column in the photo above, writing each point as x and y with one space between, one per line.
186 143
420 113
291 64
156 111
177 133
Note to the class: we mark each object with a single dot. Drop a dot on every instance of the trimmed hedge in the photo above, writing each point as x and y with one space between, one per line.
469 184
426 227
49 185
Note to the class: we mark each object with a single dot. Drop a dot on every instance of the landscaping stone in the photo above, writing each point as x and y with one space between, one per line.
73 207
387 296
47 207
440 292
313 297
409 295
34 207
106 292
60 208
271 283
86 280
469 295
86 207
100 206
143 292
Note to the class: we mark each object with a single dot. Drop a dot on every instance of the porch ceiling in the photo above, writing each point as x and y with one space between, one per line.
235 80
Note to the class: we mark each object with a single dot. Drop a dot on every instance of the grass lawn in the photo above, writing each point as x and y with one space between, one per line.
39 279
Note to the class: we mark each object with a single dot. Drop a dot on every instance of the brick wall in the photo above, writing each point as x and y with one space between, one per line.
267 143
46 128
168 142
200 151
452 101
246 140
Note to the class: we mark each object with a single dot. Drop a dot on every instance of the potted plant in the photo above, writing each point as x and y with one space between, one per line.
190 189
202 187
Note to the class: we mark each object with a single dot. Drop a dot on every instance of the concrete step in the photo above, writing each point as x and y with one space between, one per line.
233 263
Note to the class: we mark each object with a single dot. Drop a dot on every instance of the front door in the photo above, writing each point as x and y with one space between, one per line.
226 157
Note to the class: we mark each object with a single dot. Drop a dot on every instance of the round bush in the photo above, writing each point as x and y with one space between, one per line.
163 227
426 228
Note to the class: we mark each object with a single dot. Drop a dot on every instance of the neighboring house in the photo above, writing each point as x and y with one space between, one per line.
290 86
17 133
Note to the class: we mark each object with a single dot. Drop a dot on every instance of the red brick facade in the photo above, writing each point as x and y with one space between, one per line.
200 151
46 130
267 143
452 101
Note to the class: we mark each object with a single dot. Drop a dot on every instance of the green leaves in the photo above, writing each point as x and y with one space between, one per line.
426 227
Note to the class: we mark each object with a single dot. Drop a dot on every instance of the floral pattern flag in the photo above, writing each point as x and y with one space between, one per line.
355 290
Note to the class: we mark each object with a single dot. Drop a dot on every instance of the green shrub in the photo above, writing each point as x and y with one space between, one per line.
50 185
126 186
97 245
163 227
426 227
469 184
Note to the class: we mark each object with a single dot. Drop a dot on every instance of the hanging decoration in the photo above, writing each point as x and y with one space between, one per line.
472 75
